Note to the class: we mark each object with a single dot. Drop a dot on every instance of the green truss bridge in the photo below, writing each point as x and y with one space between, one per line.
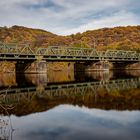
54 53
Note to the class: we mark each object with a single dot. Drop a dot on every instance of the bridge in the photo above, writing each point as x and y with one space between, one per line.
24 55
67 90
10 51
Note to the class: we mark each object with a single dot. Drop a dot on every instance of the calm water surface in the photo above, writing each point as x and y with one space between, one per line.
70 106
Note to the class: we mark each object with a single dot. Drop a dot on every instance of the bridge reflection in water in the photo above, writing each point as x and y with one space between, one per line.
119 94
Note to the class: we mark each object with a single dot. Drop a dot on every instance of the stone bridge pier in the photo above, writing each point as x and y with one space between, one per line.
106 65
89 66
99 66
38 66
126 65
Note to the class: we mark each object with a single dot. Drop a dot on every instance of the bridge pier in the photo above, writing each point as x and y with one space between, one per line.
99 66
126 65
89 66
38 66
133 66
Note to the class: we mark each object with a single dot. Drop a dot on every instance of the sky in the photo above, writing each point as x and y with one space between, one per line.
64 17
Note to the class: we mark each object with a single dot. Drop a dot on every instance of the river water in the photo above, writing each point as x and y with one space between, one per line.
70 106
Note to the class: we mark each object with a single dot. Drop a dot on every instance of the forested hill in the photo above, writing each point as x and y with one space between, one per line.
127 38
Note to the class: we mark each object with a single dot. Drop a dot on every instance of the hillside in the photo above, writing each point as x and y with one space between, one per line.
127 38
36 37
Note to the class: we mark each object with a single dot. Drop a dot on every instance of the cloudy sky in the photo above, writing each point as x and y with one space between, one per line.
69 16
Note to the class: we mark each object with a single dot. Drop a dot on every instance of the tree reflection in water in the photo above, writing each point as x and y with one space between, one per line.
103 98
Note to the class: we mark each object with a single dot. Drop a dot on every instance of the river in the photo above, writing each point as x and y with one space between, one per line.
64 105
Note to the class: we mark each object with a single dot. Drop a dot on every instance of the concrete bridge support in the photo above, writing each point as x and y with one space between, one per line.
126 65
99 66
105 65
133 66
89 66
38 66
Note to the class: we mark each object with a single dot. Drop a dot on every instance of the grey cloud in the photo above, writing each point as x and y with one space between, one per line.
58 15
